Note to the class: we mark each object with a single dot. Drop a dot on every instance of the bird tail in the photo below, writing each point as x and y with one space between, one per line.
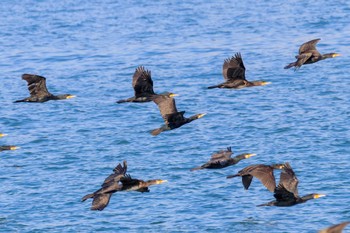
17 101
216 86
121 101
91 195
231 176
266 204
197 168
290 65
155 132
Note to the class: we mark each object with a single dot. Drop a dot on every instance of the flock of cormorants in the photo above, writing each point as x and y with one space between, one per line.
285 193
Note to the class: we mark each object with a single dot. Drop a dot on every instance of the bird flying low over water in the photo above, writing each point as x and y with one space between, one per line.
2 148
116 182
338 228
223 159
38 90
233 71
261 171
286 193
143 87
308 54
172 118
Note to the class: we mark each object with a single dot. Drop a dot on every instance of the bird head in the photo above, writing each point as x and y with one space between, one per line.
335 54
248 155
278 166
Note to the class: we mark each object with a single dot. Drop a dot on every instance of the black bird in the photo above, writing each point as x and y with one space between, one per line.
143 87
116 182
172 118
338 228
233 71
2 148
286 193
261 171
308 54
38 90
223 159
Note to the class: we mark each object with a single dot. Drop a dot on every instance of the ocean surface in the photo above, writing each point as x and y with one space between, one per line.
91 49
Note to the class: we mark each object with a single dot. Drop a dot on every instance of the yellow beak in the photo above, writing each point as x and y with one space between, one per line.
2 134
70 96
336 55
319 195
201 115
14 147
173 95
161 181
249 155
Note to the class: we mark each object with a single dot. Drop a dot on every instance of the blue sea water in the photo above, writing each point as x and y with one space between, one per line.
91 49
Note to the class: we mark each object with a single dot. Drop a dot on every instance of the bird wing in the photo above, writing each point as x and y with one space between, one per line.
282 194
288 179
127 181
233 68
247 180
119 172
338 228
36 85
222 155
174 118
142 82
307 46
101 201
166 104
265 174
302 58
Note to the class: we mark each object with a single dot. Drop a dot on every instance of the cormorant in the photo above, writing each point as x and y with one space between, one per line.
38 90
2 148
116 182
172 118
223 159
261 171
338 228
143 87
286 193
308 54
233 71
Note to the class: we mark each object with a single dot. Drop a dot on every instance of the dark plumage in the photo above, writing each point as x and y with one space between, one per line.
308 54
38 90
118 181
172 118
233 71
143 87
2 148
263 172
286 193
338 228
223 159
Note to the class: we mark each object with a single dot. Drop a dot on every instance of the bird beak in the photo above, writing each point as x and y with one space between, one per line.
265 83
161 181
70 96
201 115
249 155
14 147
173 95
336 55
319 195
2 134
